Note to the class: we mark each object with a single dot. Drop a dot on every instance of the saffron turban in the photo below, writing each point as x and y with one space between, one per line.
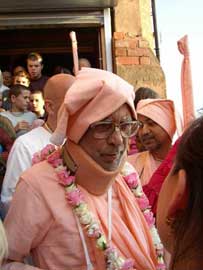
162 112
93 96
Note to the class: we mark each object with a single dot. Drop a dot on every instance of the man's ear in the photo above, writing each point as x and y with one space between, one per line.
49 106
180 195
13 98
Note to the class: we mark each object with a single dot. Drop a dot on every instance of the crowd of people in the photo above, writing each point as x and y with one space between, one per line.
90 168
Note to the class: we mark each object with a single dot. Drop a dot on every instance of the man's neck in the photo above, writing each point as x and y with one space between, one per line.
16 110
161 153
48 125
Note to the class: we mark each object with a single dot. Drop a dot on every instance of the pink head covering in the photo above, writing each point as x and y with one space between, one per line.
163 112
94 95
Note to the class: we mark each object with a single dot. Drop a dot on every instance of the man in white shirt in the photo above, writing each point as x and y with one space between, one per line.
20 157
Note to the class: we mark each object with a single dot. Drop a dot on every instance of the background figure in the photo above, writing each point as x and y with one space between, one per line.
20 118
2 86
22 77
180 204
158 124
7 78
1 103
84 62
28 144
35 67
37 103
60 69
18 69
135 144
7 137
144 93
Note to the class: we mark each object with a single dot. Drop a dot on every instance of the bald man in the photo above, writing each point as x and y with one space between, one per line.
20 156
158 124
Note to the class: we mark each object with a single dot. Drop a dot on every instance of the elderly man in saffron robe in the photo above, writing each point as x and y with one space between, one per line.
159 120
82 207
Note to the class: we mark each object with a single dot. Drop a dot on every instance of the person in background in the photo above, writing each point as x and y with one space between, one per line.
1 103
19 116
66 226
159 121
141 93
35 67
22 77
26 145
2 86
18 69
7 78
84 62
61 69
37 103
180 203
7 138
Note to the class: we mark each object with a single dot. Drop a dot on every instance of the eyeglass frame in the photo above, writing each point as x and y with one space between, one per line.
116 128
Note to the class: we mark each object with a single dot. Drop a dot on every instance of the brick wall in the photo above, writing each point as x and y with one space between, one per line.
135 61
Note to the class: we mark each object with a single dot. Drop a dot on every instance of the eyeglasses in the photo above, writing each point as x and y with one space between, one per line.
104 129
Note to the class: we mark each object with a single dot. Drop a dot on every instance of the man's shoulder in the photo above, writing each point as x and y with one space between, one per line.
32 136
39 176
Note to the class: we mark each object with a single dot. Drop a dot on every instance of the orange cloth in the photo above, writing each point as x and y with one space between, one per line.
94 95
145 165
186 82
163 112
48 227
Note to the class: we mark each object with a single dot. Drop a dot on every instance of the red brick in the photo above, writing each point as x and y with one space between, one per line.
120 51
138 52
118 35
144 60
132 44
121 43
127 60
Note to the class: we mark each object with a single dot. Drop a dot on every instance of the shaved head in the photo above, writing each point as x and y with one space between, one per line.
57 86
54 93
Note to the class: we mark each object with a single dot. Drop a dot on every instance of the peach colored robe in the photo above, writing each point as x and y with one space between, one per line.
145 165
42 223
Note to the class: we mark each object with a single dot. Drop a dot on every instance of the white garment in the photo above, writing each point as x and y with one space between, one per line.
20 159
17 117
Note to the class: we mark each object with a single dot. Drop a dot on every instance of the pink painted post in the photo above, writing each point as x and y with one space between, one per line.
186 82
75 52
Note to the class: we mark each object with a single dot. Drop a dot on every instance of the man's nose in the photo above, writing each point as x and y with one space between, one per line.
116 137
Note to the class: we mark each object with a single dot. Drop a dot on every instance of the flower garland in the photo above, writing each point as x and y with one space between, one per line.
86 218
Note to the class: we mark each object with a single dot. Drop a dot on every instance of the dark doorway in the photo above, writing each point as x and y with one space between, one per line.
53 43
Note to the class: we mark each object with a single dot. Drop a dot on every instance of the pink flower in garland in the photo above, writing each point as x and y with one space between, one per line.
131 180
36 158
74 197
57 162
65 178
128 264
52 157
161 266
143 202
149 218
47 151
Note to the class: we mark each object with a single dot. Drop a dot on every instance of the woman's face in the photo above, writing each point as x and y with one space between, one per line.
163 209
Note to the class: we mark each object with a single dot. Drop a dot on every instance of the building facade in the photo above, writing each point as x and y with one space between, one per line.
113 35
